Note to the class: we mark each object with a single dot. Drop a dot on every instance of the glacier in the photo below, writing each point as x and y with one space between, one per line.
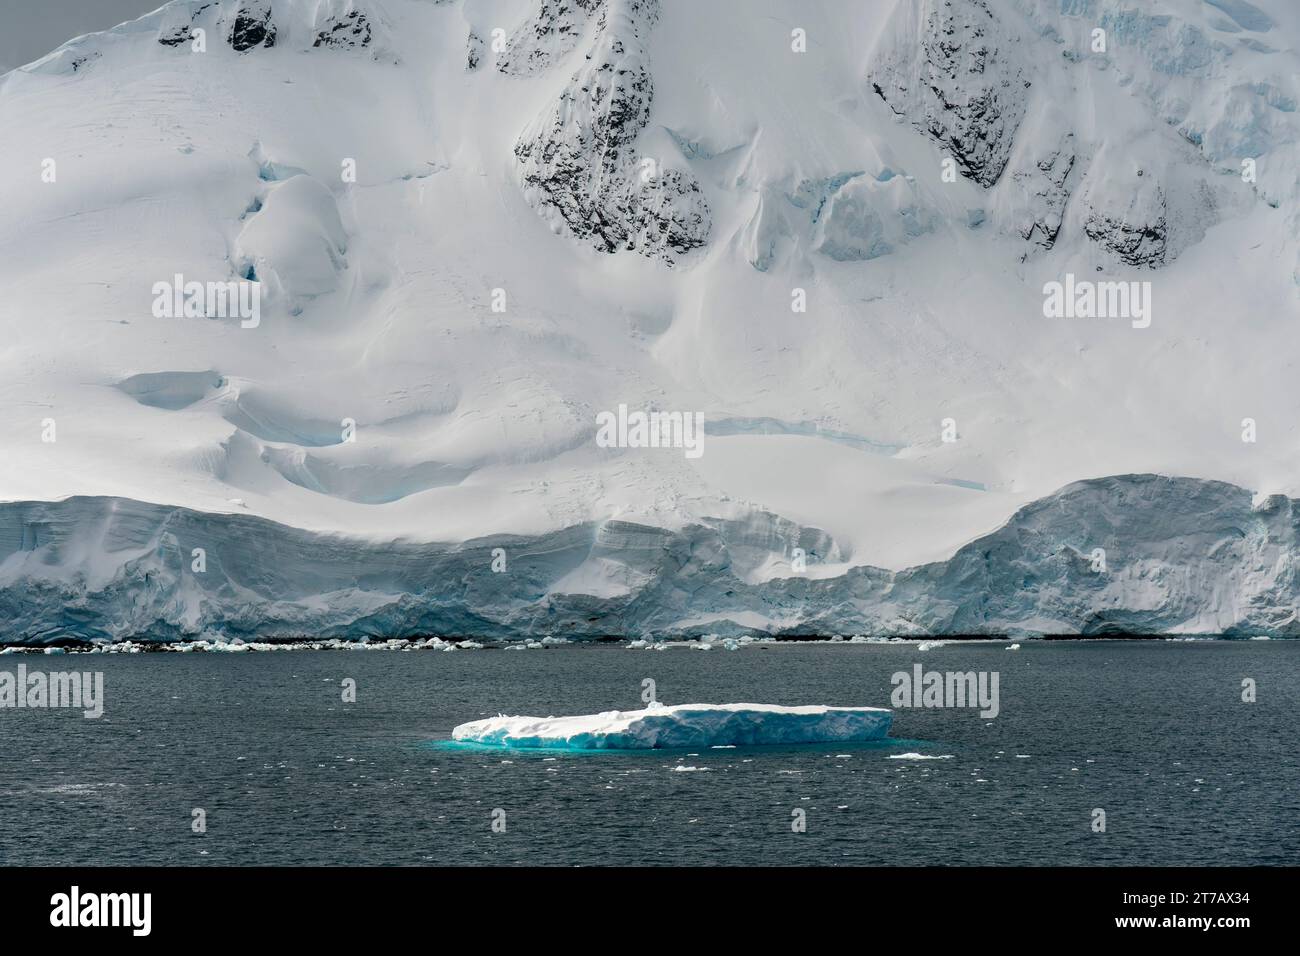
681 725
476 227
1182 556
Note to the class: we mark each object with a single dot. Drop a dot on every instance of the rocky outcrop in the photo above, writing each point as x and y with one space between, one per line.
1133 222
179 22
1138 244
473 51
553 30
259 24
347 31
947 68
578 163
1044 188
344 25
252 26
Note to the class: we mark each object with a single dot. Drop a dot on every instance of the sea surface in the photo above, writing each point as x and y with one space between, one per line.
1155 734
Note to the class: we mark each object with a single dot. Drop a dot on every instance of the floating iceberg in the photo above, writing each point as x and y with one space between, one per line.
682 725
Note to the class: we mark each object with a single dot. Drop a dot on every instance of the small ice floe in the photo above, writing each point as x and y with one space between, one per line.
930 645
684 769
913 755
1013 647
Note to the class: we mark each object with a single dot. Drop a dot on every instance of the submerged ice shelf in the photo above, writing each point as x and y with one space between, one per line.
682 725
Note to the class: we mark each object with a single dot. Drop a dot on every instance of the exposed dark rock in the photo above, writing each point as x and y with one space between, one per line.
347 31
473 51
1046 187
963 89
1138 244
552 31
578 160
253 26
181 32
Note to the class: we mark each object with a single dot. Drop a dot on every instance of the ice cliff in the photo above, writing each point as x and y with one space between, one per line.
1138 553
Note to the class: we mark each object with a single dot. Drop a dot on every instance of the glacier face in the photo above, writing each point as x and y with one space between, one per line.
475 227
681 725
1179 556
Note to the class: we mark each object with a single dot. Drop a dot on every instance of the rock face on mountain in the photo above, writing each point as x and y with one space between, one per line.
1134 554
248 25
578 161
1045 186
252 26
950 69
349 31
553 30
1138 235
180 20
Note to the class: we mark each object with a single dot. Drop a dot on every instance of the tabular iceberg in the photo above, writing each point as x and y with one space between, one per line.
682 725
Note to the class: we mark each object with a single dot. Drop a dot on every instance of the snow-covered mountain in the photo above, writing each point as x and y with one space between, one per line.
339 292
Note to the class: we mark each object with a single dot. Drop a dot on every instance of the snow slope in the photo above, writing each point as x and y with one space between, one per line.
645 187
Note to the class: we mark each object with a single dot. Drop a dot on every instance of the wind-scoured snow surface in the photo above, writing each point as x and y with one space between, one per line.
639 188
681 725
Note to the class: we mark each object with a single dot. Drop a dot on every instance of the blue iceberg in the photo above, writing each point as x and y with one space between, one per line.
682 725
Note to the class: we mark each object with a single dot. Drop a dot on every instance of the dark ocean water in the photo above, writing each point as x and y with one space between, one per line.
1155 734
